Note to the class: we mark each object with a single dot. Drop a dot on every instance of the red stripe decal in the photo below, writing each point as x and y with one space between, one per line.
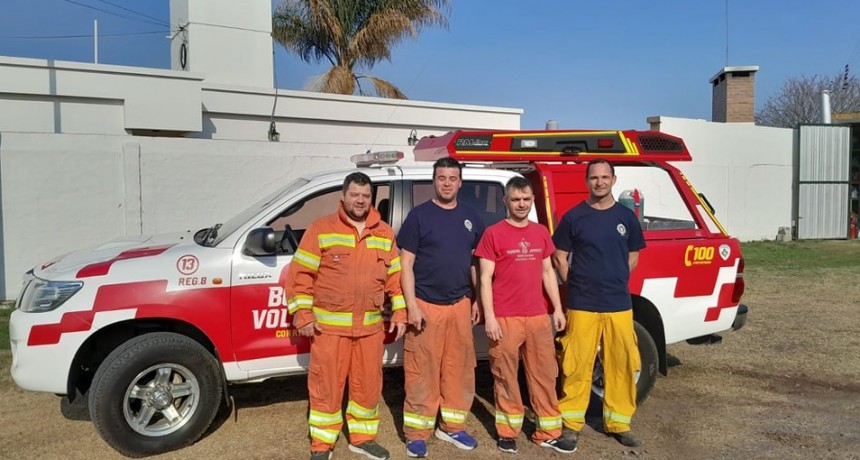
102 268
724 300
206 309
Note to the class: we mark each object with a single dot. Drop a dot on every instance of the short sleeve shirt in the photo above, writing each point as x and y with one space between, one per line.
600 242
443 241
519 253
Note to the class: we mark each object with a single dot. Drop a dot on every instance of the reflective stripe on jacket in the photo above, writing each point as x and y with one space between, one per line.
340 278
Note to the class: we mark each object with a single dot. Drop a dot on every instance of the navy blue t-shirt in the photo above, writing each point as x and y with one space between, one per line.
442 241
600 242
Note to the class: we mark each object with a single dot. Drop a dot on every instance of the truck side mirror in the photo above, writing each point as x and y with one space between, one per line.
260 242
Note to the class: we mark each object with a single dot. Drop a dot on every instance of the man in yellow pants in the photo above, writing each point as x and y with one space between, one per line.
515 272
605 238
345 265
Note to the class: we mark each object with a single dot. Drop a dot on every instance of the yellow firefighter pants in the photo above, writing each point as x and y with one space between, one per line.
333 359
533 337
614 331
439 365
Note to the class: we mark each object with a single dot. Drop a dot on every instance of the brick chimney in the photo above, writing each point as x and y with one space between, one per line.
734 95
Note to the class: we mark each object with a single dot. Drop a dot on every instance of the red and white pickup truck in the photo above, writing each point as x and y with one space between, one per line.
147 334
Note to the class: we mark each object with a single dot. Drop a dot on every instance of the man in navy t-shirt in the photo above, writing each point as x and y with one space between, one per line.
604 239
437 241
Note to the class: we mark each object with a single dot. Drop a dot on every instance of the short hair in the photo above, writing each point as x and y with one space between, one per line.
447 162
599 161
358 178
517 183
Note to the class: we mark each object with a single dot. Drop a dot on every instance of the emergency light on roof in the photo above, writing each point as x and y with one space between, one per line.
376 158
581 145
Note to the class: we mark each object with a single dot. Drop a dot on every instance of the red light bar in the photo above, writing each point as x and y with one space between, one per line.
517 146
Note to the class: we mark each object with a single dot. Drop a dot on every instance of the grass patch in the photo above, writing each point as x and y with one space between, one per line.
4 327
797 255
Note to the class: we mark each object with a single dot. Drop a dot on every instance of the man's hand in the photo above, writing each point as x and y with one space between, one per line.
309 329
494 331
400 327
476 313
559 320
416 317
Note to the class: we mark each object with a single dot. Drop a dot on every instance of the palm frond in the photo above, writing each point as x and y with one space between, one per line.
337 80
383 31
385 89
352 34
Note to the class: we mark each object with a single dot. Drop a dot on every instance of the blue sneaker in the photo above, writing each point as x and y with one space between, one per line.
461 439
416 448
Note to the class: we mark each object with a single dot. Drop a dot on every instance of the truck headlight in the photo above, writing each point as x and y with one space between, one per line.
42 295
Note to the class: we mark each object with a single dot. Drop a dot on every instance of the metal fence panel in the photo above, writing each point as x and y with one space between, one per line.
824 153
822 211
822 181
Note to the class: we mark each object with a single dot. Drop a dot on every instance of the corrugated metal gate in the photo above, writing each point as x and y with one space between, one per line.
821 181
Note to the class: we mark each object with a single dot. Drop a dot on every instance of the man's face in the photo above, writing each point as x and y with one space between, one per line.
446 182
356 201
519 202
600 180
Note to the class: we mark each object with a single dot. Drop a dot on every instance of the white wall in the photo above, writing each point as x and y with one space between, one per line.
744 170
61 192
39 95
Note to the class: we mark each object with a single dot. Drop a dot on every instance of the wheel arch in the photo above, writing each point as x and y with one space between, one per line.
96 348
646 314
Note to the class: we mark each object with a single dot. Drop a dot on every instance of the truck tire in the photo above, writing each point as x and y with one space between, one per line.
155 393
645 379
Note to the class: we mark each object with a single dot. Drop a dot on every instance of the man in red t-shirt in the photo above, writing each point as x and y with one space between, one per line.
515 270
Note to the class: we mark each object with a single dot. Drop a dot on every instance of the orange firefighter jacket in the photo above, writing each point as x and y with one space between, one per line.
340 278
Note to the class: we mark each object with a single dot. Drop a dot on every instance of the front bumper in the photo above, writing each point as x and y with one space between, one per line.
42 368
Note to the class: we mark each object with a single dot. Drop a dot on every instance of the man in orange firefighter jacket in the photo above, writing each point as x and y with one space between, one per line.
515 272
345 265
604 238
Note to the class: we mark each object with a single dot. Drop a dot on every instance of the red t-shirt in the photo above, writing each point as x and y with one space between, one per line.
518 277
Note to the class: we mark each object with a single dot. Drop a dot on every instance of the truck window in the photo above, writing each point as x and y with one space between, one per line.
486 197
300 215
661 205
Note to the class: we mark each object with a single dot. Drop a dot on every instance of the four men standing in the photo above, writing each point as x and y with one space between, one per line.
347 262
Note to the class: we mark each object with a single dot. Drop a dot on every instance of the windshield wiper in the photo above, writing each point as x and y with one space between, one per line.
210 235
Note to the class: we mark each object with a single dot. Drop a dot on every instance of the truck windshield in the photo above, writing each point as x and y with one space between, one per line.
240 219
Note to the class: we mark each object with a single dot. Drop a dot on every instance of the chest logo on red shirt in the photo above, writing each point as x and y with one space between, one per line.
524 246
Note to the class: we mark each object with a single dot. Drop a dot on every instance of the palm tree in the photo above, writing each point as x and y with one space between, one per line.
353 35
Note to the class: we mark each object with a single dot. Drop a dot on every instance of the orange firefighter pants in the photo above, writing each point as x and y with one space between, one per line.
439 365
333 359
620 353
533 337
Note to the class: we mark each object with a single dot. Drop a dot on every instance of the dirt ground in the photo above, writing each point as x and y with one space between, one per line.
785 386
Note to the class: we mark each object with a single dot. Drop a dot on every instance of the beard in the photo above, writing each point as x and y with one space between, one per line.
352 214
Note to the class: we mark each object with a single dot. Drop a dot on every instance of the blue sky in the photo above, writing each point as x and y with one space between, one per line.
588 64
